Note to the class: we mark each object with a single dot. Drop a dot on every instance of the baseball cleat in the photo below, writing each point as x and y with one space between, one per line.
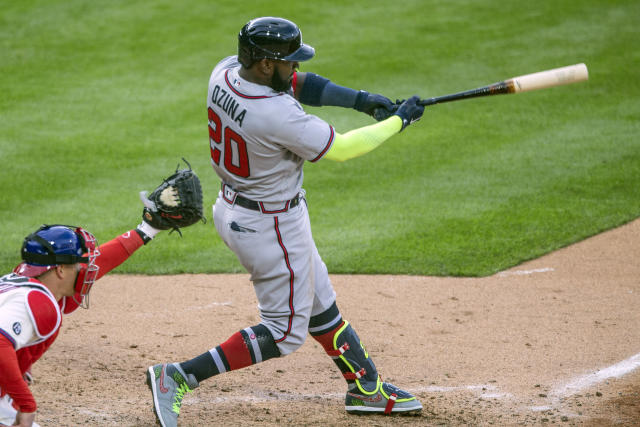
386 399
168 384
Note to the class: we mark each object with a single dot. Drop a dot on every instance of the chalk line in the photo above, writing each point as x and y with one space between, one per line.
525 272
585 381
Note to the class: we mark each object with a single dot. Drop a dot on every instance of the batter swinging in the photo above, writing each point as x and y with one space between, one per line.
260 138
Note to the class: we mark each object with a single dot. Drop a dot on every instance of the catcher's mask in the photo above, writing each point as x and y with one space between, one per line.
275 38
52 245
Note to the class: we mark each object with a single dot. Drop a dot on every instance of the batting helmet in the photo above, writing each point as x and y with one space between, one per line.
275 38
52 245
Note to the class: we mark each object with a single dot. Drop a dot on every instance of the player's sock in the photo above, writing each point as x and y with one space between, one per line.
244 348
343 345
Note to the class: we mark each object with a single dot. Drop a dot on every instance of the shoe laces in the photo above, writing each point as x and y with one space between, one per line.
180 392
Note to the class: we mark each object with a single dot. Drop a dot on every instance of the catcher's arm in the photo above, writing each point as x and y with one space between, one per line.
175 203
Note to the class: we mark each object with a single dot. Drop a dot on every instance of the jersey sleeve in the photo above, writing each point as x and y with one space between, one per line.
112 254
11 381
116 251
28 316
306 135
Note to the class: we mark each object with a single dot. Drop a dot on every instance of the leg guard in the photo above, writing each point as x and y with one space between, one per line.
351 356
366 393
344 346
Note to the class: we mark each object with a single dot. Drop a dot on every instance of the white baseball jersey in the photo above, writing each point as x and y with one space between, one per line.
260 138
29 314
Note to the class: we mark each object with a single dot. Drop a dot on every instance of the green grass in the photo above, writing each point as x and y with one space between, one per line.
101 99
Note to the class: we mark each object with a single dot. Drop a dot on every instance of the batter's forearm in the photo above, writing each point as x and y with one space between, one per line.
317 91
360 141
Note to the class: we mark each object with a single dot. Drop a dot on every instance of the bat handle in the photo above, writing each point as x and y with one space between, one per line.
429 101
381 114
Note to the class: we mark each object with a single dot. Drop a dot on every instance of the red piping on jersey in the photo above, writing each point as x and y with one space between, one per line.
291 278
242 95
327 146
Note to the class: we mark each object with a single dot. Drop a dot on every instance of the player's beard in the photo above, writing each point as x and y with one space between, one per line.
278 83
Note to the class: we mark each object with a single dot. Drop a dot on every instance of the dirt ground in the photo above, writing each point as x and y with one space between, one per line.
552 341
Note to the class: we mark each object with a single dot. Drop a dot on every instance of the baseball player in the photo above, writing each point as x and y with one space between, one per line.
59 265
260 138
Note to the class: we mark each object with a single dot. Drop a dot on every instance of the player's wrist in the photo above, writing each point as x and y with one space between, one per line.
146 232
360 103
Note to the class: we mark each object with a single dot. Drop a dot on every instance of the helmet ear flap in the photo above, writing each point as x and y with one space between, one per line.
245 56
245 47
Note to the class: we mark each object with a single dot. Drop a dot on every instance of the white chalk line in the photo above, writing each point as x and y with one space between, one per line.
210 305
585 381
525 272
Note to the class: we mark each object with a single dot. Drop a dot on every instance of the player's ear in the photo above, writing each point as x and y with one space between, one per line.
59 270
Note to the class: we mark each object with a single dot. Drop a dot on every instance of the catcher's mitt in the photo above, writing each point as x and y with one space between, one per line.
175 203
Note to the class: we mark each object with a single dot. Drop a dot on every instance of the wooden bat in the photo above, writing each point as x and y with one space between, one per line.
541 80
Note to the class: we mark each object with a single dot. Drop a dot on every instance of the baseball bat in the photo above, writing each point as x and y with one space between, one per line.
540 80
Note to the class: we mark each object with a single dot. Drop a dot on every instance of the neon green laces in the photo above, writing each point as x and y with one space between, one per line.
180 392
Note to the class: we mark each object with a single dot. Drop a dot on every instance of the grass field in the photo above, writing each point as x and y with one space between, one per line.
101 99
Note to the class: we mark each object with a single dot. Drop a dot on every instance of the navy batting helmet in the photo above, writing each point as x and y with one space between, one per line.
275 38
52 245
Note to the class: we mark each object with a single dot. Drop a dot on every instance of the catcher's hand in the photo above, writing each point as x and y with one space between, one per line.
175 203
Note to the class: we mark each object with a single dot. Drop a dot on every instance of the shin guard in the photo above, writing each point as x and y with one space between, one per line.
344 346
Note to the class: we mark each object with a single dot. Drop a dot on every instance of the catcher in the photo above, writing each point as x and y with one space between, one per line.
59 265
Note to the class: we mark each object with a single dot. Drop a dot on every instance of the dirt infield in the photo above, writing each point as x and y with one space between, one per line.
553 341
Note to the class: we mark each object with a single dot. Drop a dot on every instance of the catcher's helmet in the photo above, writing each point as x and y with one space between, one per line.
52 245
275 38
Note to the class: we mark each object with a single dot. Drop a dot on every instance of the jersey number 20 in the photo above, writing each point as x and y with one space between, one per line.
233 142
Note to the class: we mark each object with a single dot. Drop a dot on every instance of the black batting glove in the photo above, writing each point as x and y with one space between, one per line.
409 111
370 103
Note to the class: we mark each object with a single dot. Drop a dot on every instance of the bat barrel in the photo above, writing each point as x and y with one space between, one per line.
550 78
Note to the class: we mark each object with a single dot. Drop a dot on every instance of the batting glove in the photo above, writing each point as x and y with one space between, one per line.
409 111
369 103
